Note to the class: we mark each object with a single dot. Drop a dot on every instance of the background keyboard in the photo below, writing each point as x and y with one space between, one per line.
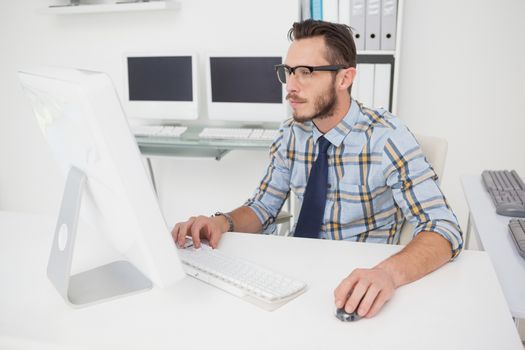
239 134
240 277
507 190
517 230
158 130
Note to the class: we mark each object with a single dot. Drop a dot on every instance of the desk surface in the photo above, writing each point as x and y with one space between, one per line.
459 306
494 236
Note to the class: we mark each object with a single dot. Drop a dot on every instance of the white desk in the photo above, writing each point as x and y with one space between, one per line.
460 306
493 236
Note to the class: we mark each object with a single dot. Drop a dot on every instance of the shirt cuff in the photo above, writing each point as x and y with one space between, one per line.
447 230
267 221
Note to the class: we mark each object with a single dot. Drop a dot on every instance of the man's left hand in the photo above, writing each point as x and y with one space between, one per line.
366 290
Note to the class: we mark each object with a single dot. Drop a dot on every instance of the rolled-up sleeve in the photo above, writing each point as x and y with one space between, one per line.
274 187
415 190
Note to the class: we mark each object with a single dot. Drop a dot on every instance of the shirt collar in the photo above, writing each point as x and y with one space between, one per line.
339 132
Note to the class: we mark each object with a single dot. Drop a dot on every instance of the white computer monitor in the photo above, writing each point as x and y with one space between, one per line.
244 88
161 86
107 186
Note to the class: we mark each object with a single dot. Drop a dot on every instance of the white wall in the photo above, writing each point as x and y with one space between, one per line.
462 74
461 78
29 180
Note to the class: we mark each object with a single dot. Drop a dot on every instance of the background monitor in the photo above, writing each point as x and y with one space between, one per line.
245 89
161 86
83 123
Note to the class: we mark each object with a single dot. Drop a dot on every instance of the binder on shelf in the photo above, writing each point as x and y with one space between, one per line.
316 9
357 22
344 12
373 25
388 24
330 10
366 84
382 86
305 10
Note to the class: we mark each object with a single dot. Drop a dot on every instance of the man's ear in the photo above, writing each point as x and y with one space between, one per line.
347 77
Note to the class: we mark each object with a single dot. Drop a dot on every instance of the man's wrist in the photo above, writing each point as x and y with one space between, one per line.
394 274
229 221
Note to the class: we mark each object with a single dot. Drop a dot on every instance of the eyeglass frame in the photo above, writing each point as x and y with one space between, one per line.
291 70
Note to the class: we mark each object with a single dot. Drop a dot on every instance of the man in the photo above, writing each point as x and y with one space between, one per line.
357 172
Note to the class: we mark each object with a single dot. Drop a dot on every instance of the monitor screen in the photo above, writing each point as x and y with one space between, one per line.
161 86
245 79
166 78
245 88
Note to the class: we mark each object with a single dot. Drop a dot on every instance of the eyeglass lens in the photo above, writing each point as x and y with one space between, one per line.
301 74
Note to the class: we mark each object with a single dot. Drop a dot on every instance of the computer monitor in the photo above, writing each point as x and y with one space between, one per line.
245 89
107 186
161 86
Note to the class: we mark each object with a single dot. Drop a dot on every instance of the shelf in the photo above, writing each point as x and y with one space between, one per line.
113 7
376 58
376 52
195 147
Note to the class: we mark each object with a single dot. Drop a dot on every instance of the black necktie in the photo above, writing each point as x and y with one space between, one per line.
314 200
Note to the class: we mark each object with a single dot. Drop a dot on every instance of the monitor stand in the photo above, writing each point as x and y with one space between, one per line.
103 283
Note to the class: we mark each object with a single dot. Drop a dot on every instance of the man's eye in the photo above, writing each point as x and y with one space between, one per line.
304 72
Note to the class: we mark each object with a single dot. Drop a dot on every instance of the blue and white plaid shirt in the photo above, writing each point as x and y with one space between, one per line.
377 176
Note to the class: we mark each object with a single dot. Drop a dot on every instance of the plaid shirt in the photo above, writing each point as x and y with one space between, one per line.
377 177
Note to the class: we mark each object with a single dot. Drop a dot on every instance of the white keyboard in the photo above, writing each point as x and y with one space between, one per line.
251 282
158 130
239 134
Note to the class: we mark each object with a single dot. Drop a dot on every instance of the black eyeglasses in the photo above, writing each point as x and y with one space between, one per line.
303 74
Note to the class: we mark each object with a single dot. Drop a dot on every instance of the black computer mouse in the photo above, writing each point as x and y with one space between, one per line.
344 316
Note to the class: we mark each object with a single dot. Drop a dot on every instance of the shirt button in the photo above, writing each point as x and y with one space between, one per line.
329 185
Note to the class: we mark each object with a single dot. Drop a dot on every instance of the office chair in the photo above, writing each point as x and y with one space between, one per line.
435 151
284 223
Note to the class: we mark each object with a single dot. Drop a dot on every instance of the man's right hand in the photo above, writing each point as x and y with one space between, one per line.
198 227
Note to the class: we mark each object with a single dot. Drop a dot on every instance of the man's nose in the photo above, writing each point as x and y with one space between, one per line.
291 83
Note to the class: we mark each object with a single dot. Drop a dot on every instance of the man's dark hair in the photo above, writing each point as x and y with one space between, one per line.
340 46
338 38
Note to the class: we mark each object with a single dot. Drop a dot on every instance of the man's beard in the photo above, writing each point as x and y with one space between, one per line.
324 107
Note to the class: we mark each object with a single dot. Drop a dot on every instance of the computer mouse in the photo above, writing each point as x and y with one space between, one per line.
344 316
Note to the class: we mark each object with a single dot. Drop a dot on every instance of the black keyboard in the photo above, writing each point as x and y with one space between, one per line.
507 190
517 230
